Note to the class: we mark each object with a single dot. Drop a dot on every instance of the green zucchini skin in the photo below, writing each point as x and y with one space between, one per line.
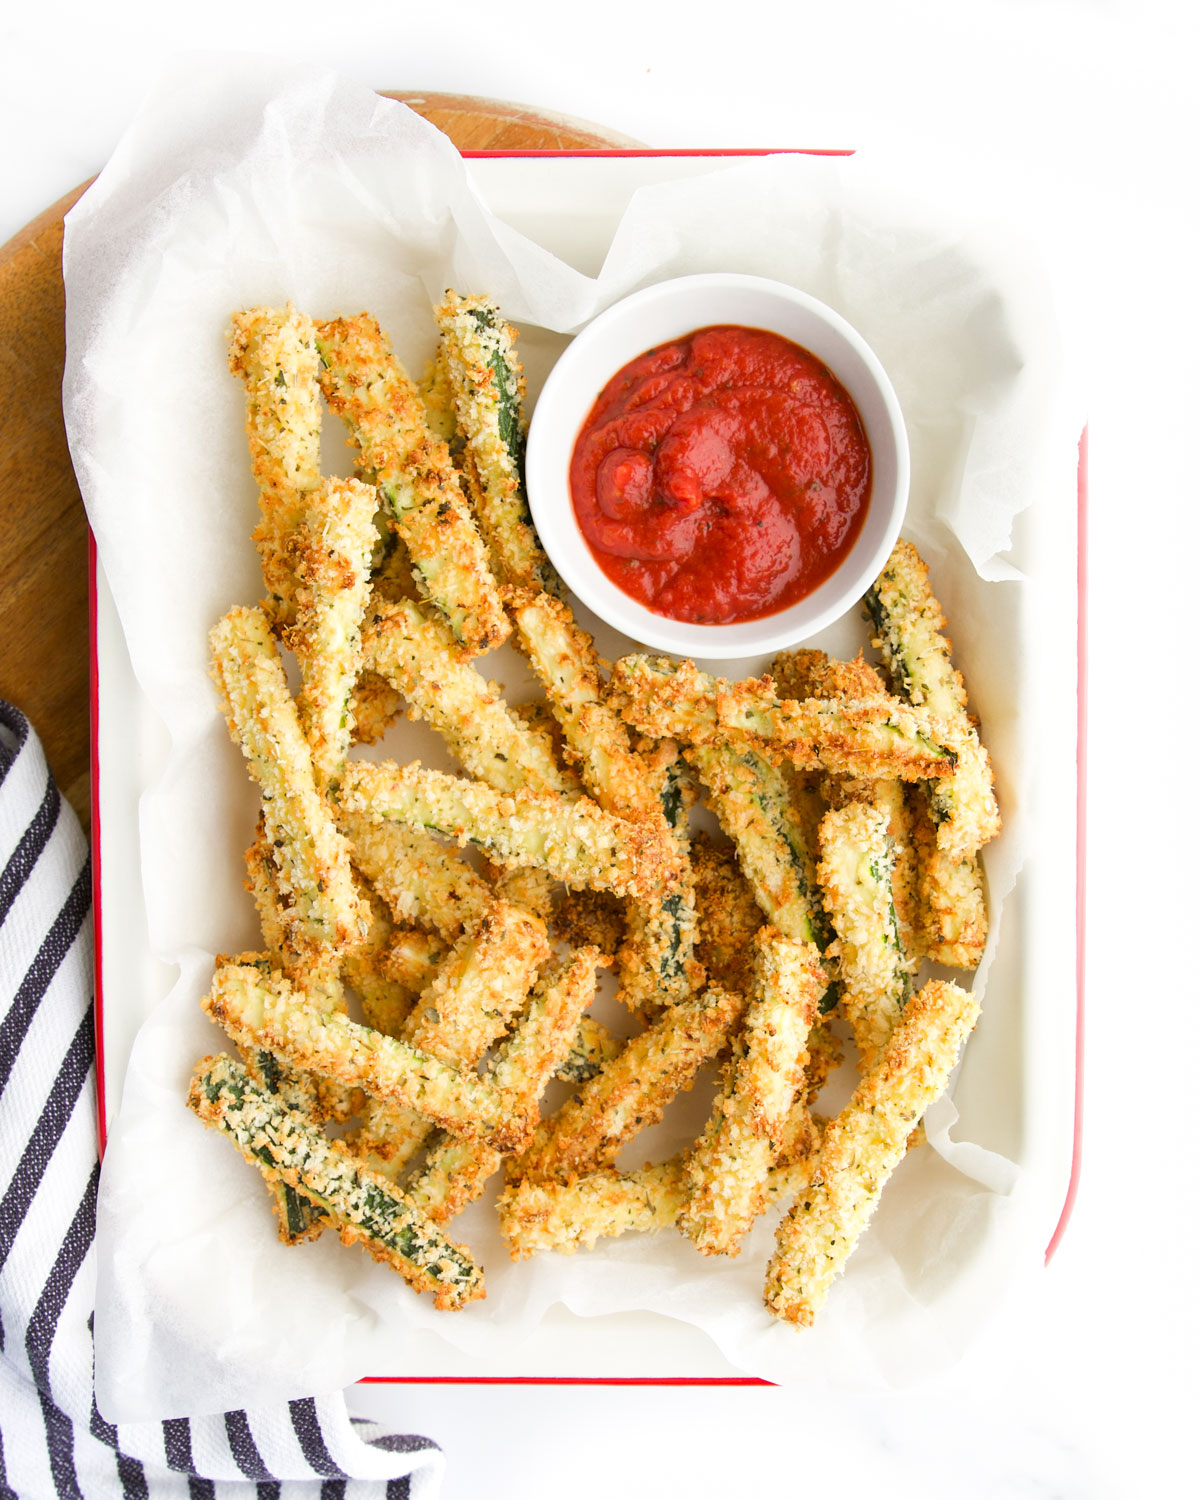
288 1147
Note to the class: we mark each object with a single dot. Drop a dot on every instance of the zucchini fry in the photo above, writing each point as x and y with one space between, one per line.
273 351
656 964
476 991
331 555
418 656
478 356
856 876
367 1210
951 921
812 674
876 737
262 1010
750 799
632 1092
908 621
456 1171
575 841
365 385
862 1147
312 859
727 1168
420 879
299 1218
537 1215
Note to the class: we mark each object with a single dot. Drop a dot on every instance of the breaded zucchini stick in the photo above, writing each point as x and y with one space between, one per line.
855 872
575 841
908 622
812 674
456 1170
750 799
862 1147
958 813
418 656
537 1215
478 355
540 1214
878 737
273 351
951 920
727 1168
365 385
656 964
475 993
262 1010
419 878
367 1210
298 1217
331 556
632 1092
312 859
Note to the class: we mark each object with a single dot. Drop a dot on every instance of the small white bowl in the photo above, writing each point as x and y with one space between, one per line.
651 317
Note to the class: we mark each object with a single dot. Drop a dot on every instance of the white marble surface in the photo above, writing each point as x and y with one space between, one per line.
1079 113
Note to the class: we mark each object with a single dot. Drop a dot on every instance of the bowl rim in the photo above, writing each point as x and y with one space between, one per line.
571 389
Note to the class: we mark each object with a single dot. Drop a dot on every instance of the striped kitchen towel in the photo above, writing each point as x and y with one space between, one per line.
53 1441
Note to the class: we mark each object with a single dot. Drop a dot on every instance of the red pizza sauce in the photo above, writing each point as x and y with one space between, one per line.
722 476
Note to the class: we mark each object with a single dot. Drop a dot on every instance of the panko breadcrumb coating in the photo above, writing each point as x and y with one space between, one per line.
727 1168
634 1089
273 351
318 900
416 653
364 384
331 559
577 842
456 1170
367 1210
477 358
727 911
856 876
862 1147
871 737
262 1010
478 988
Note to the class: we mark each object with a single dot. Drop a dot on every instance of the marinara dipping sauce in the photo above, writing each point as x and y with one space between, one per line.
722 476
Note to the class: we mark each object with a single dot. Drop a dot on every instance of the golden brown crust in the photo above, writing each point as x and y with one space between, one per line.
862 1147
632 1092
365 385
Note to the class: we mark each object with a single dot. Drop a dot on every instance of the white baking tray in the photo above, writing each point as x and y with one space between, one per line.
1017 1088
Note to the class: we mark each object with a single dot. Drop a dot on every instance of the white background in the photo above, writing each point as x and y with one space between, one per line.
1080 116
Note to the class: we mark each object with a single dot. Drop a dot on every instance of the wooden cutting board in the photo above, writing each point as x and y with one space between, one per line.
44 655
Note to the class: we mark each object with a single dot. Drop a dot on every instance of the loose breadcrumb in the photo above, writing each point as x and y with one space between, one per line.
366 386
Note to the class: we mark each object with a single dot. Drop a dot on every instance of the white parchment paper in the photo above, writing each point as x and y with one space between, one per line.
245 182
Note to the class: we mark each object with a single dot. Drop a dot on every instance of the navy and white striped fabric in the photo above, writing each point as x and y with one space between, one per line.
53 1441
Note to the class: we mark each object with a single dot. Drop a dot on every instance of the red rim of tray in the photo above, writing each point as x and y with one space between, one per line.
1080 833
